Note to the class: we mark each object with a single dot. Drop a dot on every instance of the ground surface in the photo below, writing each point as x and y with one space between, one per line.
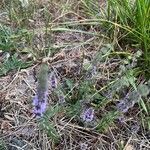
58 32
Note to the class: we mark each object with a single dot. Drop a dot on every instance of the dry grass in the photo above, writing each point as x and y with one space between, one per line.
18 127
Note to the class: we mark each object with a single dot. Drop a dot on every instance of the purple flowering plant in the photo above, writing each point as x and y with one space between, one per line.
53 81
39 104
88 115
129 101
40 99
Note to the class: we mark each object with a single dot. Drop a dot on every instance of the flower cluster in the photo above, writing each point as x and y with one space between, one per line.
128 102
88 115
39 103
53 81
40 99
124 105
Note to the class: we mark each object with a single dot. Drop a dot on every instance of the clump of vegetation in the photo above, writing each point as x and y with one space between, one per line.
133 18
93 82
2 145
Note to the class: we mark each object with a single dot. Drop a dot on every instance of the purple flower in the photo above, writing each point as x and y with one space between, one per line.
39 103
88 115
94 71
135 128
40 99
122 106
53 81
125 104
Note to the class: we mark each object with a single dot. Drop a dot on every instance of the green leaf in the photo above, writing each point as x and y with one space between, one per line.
125 81
52 111
2 145
132 82
69 83
143 90
5 38
134 96
143 106
49 128
107 121
87 65
148 123
74 110
13 63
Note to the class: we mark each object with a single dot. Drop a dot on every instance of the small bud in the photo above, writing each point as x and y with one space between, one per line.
61 99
